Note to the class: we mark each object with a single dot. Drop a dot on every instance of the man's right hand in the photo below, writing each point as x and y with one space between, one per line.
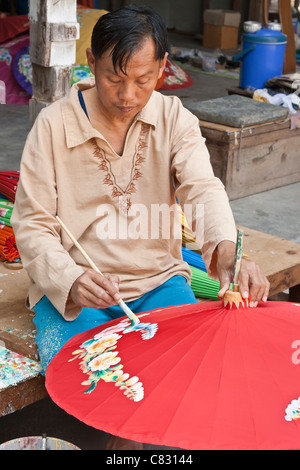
93 290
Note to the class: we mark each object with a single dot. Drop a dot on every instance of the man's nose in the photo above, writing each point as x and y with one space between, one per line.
126 92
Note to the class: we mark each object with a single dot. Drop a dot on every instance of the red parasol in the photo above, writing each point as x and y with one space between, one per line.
196 376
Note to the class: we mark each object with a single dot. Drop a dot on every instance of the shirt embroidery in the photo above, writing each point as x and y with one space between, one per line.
136 173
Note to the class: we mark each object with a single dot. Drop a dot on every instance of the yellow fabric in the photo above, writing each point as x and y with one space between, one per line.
87 19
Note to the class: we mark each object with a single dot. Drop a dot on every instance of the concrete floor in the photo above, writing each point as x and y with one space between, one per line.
276 212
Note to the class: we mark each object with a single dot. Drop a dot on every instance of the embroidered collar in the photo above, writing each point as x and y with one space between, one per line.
78 129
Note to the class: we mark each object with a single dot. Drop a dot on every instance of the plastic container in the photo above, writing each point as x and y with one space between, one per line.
37 443
208 64
262 57
295 24
275 25
251 26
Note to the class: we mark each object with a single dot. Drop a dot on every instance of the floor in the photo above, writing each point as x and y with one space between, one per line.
276 212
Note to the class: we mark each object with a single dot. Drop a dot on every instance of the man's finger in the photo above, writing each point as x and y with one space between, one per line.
224 286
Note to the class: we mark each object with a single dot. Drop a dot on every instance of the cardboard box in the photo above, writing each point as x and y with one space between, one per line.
221 28
220 37
222 17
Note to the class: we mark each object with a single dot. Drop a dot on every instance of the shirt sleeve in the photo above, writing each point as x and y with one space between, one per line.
36 229
201 195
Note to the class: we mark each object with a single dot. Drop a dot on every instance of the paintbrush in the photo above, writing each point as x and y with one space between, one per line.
132 317
237 260
233 296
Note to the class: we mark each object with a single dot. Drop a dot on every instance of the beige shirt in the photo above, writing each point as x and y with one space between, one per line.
111 203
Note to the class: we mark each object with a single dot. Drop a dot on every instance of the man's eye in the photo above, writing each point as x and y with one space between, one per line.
114 80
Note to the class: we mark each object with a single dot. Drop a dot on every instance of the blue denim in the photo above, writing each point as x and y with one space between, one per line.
53 331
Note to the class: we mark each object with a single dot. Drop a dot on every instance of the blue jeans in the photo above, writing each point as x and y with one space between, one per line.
53 331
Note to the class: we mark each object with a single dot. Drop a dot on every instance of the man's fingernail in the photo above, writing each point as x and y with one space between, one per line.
265 298
117 297
245 295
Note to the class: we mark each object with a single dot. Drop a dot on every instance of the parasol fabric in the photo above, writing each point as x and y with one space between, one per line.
202 285
6 208
196 376
8 50
175 77
8 184
22 69
188 237
13 26
193 259
8 248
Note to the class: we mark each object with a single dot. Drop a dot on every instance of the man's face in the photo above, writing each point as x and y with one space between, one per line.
123 96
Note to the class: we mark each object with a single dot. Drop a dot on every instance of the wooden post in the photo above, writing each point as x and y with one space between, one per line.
53 34
256 10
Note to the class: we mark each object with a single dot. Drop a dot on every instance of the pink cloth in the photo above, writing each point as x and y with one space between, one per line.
14 92
2 92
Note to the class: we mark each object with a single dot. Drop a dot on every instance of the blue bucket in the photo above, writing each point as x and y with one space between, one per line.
262 57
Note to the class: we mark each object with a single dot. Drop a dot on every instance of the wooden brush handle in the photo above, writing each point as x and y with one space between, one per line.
122 304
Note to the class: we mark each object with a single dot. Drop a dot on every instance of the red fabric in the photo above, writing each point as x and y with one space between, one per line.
8 248
212 378
87 3
175 77
11 26
8 184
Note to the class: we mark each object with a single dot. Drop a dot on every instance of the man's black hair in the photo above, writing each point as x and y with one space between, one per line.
125 30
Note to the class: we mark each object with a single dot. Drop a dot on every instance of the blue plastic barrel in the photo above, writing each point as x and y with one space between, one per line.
262 57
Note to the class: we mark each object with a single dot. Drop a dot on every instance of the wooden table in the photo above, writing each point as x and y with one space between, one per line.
278 258
17 334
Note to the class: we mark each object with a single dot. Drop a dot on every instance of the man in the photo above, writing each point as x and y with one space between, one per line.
104 159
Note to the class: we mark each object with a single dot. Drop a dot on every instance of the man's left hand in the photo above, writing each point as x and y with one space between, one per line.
253 283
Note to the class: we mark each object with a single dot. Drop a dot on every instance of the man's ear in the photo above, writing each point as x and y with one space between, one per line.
90 60
162 65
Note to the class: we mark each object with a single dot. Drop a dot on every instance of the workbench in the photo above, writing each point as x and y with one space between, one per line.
253 159
279 260
17 343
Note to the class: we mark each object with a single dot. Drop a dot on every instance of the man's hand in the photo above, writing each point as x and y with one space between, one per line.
95 291
252 281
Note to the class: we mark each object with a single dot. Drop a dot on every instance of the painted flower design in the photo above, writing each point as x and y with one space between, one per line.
113 329
24 67
98 345
100 360
104 361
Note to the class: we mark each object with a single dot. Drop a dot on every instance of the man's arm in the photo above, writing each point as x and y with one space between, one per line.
216 231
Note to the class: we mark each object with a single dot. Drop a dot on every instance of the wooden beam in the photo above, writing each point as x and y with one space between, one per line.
237 5
285 17
53 34
256 10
